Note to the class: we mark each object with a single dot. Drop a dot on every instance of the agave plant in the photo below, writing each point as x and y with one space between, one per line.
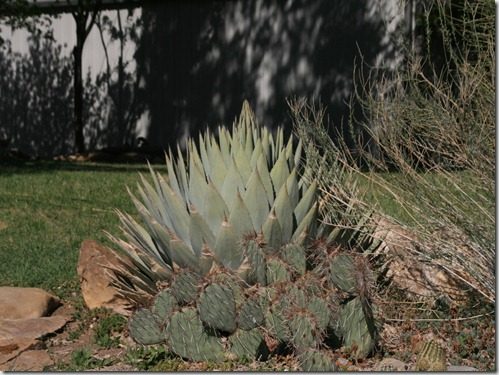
238 212
246 184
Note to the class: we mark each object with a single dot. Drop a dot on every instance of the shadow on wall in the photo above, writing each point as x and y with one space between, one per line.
199 60
196 63
36 97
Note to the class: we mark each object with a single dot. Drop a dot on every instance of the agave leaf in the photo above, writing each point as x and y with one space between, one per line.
181 174
150 196
265 178
255 198
218 168
247 116
205 160
292 187
136 232
130 251
243 163
226 248
197 184
272 231
138 266
257 152
289 153
162 238
161 253
177 211
298 151
333 235
183 255
206 261
172 177
306 202
266 140
232 184
306 226
224 141
279 144
240 218
213 208
248 146
284 213
280 172
200 233
156 200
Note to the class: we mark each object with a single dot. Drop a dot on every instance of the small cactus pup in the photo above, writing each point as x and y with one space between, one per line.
431 357
227 248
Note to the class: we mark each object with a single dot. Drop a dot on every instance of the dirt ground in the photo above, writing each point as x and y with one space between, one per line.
76 347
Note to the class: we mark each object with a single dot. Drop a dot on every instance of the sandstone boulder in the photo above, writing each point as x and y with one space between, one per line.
400 247
10 348
26 303
96 278
21 329
30 360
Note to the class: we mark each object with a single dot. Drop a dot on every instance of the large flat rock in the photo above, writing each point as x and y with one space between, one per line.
11 348
26 303
30 360
30 328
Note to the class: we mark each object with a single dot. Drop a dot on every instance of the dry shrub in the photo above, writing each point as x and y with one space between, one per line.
428 141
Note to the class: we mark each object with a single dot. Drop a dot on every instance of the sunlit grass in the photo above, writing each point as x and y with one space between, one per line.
47 209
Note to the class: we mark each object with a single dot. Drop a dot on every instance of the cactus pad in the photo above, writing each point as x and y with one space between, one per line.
164 305
357 328
258 271
185 287
187 338
320 311
217 308
303 332
248 345
276 323
145 329
316 361
342 272
277 271
294 256
250 315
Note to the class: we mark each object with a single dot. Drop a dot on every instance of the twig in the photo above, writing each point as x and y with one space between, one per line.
438 320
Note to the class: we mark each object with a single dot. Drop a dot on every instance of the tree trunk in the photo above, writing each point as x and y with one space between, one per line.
81 20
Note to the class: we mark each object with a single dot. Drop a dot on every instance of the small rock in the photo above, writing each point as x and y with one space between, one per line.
26 303
30 360
461 368
96 280
343 362
391 364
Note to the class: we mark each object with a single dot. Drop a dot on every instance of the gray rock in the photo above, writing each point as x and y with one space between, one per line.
461 368
391 364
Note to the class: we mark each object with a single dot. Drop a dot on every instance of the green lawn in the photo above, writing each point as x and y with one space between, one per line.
48 208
